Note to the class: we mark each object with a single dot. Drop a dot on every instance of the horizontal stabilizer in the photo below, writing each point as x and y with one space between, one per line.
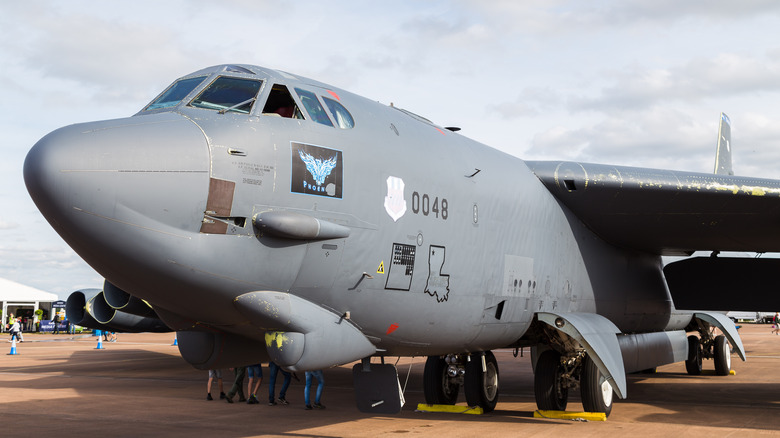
724 283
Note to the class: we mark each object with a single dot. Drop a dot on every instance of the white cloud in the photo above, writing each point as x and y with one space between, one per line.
648 139
5 225
726 74
556 17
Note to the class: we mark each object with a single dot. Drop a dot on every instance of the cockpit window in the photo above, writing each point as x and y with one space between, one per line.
175 93
280 103
313 107
340 114
229 94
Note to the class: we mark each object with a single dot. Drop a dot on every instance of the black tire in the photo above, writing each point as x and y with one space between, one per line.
722 356
596 392
481 388
693 363
438 387
550 395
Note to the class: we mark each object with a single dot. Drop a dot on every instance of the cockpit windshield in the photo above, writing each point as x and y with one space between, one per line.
175 93
313 106
229 94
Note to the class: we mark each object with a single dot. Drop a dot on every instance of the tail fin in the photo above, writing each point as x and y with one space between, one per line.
723 152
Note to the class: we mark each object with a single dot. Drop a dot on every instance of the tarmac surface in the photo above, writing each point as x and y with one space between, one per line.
61 385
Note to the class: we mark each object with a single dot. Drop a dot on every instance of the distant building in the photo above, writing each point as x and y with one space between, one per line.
21 300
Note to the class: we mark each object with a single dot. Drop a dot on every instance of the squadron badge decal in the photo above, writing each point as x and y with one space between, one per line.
395 204
316 170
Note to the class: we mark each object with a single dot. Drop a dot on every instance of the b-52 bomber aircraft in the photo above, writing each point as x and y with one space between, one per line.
266 216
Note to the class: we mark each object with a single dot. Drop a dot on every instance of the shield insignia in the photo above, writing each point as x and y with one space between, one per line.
395 204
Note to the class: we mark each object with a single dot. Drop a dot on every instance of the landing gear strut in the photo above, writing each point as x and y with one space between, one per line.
716 348
549 388
554 375
722 354
595 389
441 382
481 381
693 363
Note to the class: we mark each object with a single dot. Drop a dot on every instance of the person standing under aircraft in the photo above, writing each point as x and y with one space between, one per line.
272 370
255 373
776 324
238 385
316 374
212 375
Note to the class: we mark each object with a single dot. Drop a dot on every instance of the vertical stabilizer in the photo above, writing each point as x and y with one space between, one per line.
723 152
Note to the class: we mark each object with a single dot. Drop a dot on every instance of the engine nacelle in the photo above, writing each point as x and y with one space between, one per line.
88 308
121 300
122 321
76 309
212 350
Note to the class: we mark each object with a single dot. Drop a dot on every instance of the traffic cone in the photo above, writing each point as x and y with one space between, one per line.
100 343
13 347
175 340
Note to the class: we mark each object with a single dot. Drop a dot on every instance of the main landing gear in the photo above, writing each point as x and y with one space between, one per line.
477 373
555 375
716 348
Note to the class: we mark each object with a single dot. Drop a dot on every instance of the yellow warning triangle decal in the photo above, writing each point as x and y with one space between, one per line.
381 268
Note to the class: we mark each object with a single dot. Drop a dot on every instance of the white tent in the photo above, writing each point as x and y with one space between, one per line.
14 295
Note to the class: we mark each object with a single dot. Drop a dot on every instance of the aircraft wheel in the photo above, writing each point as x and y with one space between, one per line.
439 388
693 363
722 356
550 394
481 388
596 392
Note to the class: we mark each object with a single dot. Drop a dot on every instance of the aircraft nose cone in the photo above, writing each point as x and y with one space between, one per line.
43 170
91 179
46 172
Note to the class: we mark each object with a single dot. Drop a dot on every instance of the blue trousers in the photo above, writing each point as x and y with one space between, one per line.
272 369
320 379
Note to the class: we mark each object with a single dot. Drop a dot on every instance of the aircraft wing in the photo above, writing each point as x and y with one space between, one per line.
667 212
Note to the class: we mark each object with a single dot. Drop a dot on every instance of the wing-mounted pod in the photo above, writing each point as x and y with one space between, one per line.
598 336
302 335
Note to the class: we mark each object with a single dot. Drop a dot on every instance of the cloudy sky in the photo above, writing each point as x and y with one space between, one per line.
626 82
